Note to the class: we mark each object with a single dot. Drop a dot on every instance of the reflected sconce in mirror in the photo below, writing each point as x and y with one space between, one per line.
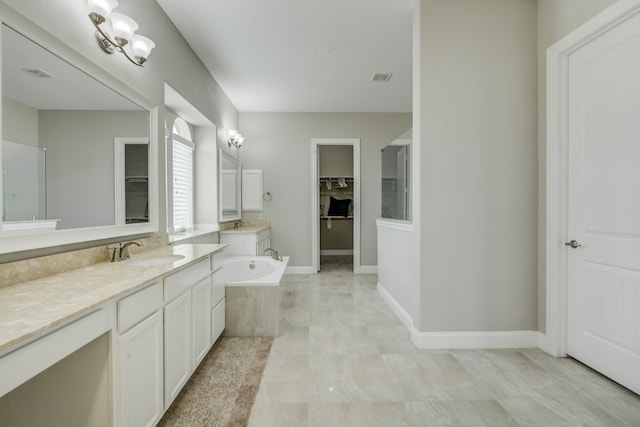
115 32
235 138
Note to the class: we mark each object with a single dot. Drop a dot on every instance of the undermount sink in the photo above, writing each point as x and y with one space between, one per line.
167 259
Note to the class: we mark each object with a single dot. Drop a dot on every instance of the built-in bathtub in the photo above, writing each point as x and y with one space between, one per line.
254 271
252 295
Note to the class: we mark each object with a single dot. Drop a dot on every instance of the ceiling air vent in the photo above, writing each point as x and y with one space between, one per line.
38 73
380 77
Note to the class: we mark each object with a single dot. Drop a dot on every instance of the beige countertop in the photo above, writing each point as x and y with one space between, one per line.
30 308
246 229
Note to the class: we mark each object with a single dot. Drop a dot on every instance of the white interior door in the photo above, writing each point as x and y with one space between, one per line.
604 204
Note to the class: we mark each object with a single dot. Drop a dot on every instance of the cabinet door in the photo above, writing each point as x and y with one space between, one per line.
177 345
252 189
141 377
201 309
217 320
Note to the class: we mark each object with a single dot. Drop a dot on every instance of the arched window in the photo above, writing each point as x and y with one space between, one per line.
182 186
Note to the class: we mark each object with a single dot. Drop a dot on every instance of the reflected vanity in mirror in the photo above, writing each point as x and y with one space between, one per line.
229 191
60 167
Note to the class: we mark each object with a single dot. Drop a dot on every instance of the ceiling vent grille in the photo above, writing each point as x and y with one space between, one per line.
381 77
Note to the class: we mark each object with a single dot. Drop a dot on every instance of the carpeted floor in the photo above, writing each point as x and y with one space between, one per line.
223 389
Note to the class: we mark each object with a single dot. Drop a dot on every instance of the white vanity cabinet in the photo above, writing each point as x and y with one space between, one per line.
184 323
121 343
141 354
201 320
217 296
246 243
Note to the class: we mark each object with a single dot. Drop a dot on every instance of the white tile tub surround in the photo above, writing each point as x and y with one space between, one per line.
252 296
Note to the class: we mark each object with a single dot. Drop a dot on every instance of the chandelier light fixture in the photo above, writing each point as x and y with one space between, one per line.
235 138
116 32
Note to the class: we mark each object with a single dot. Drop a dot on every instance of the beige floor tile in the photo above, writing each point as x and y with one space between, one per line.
382 414
351 378
460 413
279 415
344 359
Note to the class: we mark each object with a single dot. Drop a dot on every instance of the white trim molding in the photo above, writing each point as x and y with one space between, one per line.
555 341
315 208
475 339
399 311
465 339
395 224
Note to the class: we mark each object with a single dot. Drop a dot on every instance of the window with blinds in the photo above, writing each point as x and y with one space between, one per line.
182 177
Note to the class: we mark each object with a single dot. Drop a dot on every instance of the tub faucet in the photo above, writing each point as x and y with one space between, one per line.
121 251
274 254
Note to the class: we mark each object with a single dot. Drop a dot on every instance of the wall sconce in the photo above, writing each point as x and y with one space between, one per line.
235 138
114 31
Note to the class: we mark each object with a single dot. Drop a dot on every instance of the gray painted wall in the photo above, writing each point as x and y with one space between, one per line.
478 160
280 145
20 122
81 164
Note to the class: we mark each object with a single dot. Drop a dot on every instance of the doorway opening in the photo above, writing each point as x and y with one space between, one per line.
335 198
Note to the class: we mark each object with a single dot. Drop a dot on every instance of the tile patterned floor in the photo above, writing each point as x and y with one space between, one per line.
344 359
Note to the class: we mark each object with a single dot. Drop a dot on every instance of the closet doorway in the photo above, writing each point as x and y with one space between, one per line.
335 202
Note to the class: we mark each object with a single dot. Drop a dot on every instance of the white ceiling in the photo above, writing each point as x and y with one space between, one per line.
302 55
66 88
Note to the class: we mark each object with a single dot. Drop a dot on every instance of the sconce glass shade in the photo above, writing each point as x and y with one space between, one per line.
141 47
123 27
102 7
235 138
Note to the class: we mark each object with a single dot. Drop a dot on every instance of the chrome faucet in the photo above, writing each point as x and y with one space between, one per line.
274 254
121 251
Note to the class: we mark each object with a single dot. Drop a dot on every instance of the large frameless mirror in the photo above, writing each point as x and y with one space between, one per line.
61 160
230 181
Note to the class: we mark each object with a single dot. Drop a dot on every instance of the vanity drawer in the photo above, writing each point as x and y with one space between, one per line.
138 306
183 280
217 260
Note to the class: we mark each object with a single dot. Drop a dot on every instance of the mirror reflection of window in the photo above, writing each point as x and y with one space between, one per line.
183 149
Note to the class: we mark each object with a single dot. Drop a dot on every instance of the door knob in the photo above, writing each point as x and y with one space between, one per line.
573 243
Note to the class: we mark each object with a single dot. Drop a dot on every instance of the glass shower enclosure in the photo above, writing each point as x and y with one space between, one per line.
396 182
24 188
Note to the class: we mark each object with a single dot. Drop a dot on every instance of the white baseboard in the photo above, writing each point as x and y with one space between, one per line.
474 339
335 252
368 269
299 270
399 311
463 340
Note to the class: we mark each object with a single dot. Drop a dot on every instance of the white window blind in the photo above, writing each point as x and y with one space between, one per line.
182 185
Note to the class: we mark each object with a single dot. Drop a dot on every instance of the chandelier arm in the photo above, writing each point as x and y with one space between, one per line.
107 43
133 61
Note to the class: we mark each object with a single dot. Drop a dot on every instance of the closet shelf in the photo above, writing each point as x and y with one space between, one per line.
324 178
332 217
